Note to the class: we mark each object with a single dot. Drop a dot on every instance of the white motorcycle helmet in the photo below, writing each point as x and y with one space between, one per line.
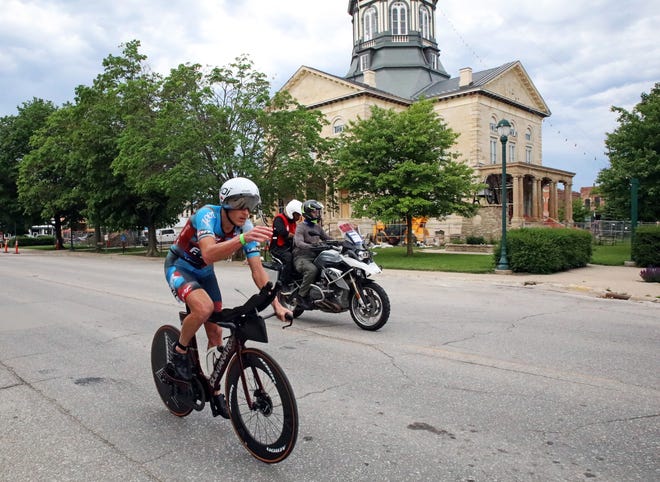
294 206
239 193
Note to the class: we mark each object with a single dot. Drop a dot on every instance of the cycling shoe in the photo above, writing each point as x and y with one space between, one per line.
219 406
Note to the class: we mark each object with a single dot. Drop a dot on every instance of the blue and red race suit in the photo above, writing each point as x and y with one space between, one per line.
185 269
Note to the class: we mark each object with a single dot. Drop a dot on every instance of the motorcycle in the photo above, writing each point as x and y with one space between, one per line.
343 284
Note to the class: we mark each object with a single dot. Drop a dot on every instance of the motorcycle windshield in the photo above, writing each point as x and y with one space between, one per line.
350 234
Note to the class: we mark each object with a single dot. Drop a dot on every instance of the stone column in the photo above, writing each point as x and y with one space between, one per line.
555 199
516 218
568 209
521 197
536 184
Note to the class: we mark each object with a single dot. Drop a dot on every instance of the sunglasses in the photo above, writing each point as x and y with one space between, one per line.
243 202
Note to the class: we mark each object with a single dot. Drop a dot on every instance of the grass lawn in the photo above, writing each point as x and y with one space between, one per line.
134 250
611 255
423 260
395 258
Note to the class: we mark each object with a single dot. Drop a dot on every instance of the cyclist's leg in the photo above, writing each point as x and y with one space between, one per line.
201 307
213 331
186 287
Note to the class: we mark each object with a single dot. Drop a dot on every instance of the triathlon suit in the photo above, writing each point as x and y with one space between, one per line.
185 269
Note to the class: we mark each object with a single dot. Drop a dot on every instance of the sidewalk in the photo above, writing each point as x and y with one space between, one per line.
618 282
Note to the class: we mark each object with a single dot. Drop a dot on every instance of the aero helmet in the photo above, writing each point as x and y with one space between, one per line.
294 206
239 193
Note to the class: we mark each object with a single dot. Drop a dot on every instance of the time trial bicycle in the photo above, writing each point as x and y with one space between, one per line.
259 399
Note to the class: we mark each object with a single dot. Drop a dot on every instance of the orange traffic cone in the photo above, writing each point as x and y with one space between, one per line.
6 245
16 246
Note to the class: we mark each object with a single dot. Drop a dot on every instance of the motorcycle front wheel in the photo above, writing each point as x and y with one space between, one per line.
375 311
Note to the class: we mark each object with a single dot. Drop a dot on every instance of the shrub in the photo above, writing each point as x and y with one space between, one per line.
33 241
475 240
645 250
651 274
545 250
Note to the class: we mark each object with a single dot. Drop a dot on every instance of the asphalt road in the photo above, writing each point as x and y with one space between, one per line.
468 381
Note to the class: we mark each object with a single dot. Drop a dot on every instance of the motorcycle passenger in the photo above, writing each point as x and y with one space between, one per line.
308 235
211 234
284 229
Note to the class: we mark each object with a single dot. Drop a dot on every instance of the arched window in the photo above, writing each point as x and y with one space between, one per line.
514 131
399 21
337 127
493 125
370 23
424 22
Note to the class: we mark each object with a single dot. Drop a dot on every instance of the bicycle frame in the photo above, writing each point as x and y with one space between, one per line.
233 347
259 398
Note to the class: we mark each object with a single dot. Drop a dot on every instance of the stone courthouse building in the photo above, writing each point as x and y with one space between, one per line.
395 61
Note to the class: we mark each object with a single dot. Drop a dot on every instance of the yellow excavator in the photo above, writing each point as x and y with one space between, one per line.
395 233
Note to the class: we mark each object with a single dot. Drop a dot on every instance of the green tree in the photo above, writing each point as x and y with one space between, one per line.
15 134
247 133
96 126
149 158
634 152
45 184
399 165
128 151
142 148
296 158
580 211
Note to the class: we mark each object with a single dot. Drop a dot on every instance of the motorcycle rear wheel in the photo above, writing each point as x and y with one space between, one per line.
376 310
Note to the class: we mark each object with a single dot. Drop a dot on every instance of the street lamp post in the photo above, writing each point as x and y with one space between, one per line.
634 190
503 129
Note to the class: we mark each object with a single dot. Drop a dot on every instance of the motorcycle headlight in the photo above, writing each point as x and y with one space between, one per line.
363 255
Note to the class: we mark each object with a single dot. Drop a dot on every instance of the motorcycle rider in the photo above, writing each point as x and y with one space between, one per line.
284 229
308 235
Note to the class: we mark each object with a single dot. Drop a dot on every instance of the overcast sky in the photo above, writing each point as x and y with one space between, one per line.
583 56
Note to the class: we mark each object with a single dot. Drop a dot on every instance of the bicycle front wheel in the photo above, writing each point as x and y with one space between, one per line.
262 406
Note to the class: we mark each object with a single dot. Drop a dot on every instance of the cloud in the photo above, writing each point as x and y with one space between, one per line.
583 57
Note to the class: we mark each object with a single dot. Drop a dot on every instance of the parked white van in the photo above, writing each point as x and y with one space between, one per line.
163 236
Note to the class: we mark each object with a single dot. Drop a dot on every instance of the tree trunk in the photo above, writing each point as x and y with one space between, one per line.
409 235
59 241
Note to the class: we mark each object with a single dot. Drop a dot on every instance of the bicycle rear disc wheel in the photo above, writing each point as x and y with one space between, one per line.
268 428
177 403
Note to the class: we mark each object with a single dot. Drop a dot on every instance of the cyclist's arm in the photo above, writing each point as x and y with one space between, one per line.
212 251
260 278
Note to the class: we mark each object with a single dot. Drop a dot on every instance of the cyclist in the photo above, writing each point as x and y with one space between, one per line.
284 229
211 234
308 235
